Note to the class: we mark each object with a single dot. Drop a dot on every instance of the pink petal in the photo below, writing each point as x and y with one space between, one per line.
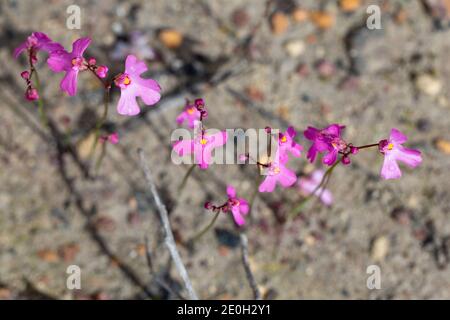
134 66
203 155
317 176
330 158
218 139
410 157
238 218
334 129
390 169
148 92
326 197
69 82
181 117
291 132
286 177
397 136
59 61
244 206
231 192
79 46
184 147
22 47
127 105
310 133
268 185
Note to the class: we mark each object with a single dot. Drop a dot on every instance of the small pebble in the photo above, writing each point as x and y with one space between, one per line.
428 84
294 48
380 248
442 145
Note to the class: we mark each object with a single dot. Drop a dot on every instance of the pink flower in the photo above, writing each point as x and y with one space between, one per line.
287 144
393 151
35 42
189 114
132 86
327 140
71 63
239 206
309 185
277 173
202 147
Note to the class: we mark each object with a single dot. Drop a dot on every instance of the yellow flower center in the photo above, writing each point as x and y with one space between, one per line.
283 139
390 146
126 81
203 141
276 170
190 110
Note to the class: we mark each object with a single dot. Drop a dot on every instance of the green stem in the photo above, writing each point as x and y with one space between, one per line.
185 178
41 110
101 121
206 229
100 159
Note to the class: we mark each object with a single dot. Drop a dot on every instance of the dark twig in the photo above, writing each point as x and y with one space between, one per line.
168 239
248 271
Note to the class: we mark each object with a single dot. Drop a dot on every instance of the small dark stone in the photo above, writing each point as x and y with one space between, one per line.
423 125
227 238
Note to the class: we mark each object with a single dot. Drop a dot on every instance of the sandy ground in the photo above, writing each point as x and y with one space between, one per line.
52 216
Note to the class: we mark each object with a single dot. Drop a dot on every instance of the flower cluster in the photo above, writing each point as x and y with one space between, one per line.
327 142
205 141
130 82
276 170
238 206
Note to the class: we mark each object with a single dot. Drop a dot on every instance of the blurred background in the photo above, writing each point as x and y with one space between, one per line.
256 63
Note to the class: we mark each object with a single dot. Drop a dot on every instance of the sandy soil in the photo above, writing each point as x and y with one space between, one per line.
53 216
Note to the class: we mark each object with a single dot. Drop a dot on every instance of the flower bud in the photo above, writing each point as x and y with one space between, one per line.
31 94
101 71
25 75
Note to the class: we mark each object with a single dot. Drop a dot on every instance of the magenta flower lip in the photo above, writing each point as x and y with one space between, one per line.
327 141
71 63
277 173
287 145
394 151
35 42
132 85
201 146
